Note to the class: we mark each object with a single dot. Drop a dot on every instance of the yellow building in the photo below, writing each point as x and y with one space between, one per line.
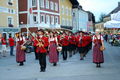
100 26
9 16
66 14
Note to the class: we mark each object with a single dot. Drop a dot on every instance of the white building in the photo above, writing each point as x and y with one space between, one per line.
80 19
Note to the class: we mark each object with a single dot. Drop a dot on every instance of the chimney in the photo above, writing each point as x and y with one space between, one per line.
119 4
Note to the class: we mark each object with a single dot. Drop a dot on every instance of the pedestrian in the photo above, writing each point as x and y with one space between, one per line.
98 56
11 44
53 54
20 53
106 37
41 49
4 44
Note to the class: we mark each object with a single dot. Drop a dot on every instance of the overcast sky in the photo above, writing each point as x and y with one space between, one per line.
99 6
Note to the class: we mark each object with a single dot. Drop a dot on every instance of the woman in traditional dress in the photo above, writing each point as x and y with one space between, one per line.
53 54
20 54
98 56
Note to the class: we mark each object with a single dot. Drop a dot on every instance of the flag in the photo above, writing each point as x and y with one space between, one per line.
30 10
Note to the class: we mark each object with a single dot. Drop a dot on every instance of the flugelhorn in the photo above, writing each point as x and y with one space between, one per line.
40 42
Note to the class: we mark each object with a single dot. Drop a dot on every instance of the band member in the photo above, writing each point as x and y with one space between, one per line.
34 45
20 53
81 45
11 44
64 42
4 44
53 54
41 49
71 47
98 56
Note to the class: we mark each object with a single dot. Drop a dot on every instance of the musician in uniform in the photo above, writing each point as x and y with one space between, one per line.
64 42
81 44
41 49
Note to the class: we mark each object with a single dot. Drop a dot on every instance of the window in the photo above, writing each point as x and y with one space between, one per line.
10 21
70 12
56 20
56 7
10 2
62 10
34 3
52 19
66 11
35 18
47 19
12 11
42 3
9 10
47 4
51 5
43 18
63 21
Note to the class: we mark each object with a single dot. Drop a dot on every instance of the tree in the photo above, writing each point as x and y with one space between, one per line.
102 17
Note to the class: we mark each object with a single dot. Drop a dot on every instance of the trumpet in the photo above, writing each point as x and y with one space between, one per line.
40 42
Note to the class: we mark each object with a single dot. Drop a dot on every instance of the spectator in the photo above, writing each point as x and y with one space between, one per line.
11 44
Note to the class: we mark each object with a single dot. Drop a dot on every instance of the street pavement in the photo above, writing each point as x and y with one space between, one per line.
72 69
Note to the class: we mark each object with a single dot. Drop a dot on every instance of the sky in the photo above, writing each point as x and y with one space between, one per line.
99 6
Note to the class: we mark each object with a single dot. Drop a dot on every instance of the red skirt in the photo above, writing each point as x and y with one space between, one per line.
98 56
53 54
20 54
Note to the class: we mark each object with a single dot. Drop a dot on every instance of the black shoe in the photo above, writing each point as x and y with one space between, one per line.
21 64
12 55
54 64
81 59
42 70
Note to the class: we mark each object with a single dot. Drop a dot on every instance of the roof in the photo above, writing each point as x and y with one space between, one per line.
74 2
115 10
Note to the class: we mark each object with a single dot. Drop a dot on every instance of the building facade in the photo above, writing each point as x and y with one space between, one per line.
80 19
66 14
39 14
9 17
91 22
100 26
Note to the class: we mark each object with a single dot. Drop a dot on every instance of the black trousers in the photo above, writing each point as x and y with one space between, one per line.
64 52
36 54
42 60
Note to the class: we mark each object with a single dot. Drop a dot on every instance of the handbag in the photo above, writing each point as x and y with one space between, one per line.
59 48
102 48
23 47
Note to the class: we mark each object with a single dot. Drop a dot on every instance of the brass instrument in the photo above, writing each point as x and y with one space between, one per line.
40 42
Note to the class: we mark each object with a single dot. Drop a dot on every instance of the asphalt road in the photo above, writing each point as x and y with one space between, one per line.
72 69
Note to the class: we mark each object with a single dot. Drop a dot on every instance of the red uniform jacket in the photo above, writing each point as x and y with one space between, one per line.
43 40
72 39
64 41
81 43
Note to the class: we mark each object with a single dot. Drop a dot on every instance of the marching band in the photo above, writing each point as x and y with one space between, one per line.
51 43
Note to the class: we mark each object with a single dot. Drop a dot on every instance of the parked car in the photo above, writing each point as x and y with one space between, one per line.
29 47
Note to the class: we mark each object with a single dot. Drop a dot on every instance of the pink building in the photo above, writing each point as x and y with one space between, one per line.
36 14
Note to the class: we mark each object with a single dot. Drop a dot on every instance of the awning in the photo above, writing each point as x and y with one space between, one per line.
112 24
115 16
